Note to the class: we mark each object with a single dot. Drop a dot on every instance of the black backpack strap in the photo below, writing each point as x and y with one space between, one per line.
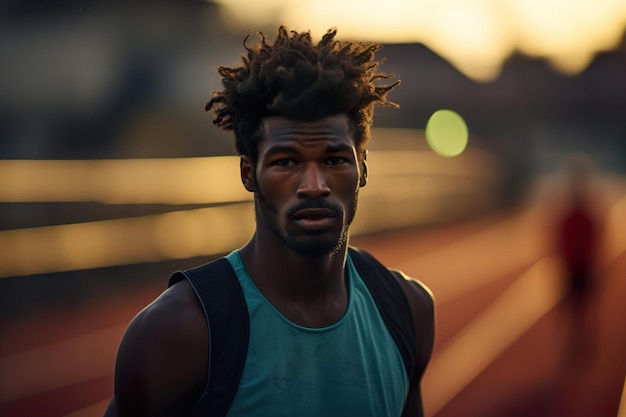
225 309
392 304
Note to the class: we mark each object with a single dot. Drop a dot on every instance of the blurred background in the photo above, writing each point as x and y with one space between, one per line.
499 182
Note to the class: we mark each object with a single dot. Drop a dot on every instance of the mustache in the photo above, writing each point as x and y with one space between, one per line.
314 204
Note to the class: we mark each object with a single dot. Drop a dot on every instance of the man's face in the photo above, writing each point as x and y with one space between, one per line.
306 182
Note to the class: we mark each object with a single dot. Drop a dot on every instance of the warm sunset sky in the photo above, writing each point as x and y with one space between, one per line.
474 35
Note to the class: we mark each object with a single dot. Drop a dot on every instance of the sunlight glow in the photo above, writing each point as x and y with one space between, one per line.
568 32
475 36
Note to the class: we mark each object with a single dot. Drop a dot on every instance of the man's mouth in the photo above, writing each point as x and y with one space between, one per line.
314 218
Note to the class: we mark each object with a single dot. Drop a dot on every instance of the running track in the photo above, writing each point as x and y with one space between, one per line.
503 344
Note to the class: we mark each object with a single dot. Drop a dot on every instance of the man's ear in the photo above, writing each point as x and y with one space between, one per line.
363 180
246 168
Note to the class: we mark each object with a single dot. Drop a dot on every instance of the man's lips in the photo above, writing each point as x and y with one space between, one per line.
313 214
315 219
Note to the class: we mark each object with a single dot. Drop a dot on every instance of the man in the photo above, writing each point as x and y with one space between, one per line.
577 244
318 343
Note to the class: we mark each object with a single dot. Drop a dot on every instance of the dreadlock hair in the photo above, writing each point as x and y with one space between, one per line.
299 80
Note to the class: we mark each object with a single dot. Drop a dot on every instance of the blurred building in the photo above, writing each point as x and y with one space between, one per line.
94 79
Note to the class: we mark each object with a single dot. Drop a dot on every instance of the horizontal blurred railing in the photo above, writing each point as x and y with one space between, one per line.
405 188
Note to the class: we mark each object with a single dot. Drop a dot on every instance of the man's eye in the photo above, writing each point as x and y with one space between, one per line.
285 162
335 160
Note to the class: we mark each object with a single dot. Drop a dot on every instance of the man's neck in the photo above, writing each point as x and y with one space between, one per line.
310 291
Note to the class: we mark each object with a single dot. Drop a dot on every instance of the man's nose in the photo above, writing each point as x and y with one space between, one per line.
313 183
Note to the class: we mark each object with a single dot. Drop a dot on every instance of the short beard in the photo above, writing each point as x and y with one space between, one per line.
342 243
306 249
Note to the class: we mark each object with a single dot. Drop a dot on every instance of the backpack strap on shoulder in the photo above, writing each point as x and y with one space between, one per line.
226 313
392 303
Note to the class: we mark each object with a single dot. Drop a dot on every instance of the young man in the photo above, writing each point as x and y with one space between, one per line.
320 341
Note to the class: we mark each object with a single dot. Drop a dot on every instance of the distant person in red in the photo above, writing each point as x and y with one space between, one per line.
577 243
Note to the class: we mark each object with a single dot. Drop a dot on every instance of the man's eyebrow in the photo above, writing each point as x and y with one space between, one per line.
280 149
287 149
339 147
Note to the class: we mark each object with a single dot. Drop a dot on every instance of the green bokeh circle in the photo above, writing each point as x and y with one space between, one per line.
446 133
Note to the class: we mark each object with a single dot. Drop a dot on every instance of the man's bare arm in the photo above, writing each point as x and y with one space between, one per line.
161 367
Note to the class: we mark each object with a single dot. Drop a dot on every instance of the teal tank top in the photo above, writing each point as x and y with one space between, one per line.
351 368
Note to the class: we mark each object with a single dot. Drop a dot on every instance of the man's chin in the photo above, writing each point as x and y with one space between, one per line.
313 250
320 248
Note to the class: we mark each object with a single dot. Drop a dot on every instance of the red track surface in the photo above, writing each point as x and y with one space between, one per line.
59 362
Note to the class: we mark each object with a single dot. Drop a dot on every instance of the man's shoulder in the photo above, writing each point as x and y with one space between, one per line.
213 271
175 313
416 290
413 287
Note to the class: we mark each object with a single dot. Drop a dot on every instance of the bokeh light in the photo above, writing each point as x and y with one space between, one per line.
446 133
476 36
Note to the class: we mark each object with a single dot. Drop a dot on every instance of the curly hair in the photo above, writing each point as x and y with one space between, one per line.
297 79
